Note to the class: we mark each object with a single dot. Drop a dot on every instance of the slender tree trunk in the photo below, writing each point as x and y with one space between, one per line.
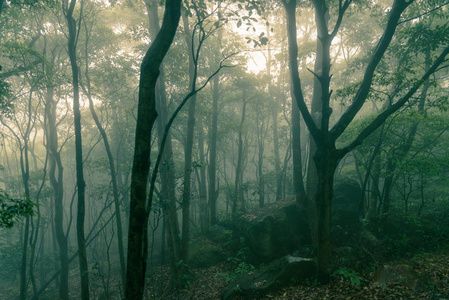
274 115
213 138
238 204
80 183
188 149
112 169
25 171
305 204
277 161
260 142
399 154
56 172
204 219
23 267
167 173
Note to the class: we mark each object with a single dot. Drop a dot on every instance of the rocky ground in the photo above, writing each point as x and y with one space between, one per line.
424 276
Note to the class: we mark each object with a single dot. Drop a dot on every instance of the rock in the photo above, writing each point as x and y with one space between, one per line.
273 231
280 273
204 255
219 234
345 204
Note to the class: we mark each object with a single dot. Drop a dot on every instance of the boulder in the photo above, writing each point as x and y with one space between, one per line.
345 211
280 273
204 255
273 231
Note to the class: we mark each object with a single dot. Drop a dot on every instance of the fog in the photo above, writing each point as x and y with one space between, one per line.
224 150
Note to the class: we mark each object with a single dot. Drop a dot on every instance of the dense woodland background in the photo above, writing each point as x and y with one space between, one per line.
352 173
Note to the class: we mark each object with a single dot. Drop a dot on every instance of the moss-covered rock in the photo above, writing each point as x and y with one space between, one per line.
273 231
280 273
204 255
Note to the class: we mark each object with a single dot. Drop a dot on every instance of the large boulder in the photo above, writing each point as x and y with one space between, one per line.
345 210
280 273
203 254
273 231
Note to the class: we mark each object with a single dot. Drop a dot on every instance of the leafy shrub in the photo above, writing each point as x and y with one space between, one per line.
349 274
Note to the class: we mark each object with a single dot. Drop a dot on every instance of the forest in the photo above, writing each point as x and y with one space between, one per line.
232 149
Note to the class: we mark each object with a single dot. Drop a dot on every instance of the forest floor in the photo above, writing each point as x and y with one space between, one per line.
427 277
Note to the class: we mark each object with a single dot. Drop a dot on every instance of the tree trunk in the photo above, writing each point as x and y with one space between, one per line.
326 164
213 137
238 204
260 150
56 172
80 183
23 266
137 235
112 169
204 218
188 148
305 204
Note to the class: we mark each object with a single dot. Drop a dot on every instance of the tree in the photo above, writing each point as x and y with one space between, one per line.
146 115
327 155
69 9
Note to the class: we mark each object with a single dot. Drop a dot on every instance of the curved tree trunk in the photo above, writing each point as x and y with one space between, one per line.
146 115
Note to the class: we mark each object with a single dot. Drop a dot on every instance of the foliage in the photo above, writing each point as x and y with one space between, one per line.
12 209
349 274
5 92
240 265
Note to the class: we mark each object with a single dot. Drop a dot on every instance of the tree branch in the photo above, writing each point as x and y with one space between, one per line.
377 122
398 7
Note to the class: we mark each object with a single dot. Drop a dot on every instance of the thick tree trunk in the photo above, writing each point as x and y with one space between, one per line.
326 163
137 235
167 174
